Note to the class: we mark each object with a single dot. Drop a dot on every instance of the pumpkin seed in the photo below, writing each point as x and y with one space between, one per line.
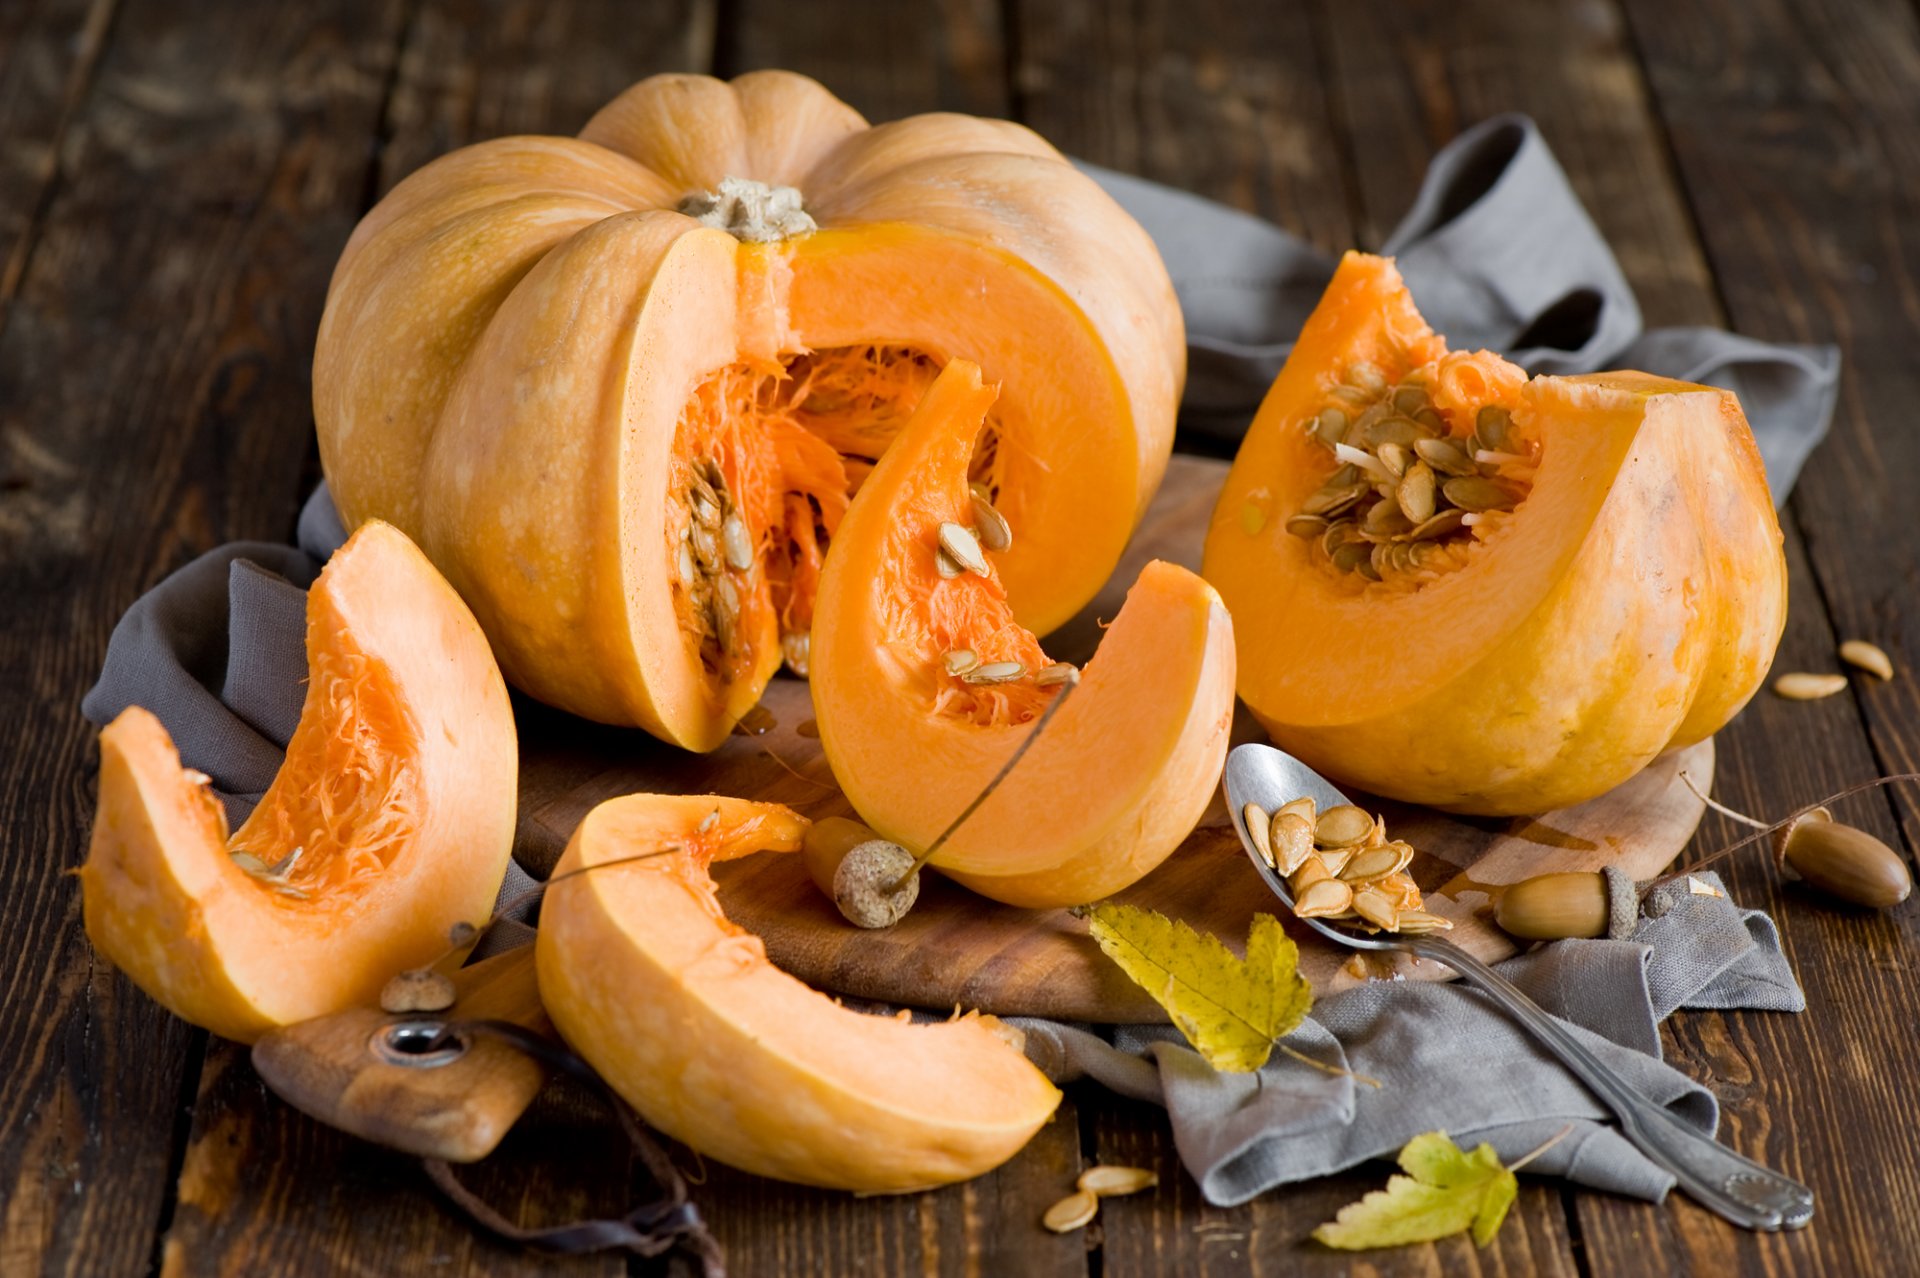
251 864
738 544
1367 569
1442 523
1291 837
1396 459
1116 1182
706 548
992 527
1395 430
1416 494
1307 525
796 646
1259 832
1489 459
1386 519
1369 465
1072 1212
1323 899
1372 905
1352 394
1338 534
1342 826
1367 376
1330 427
689 571
1301 807
996 672
1494 425
961 660
707 822
1415 922
963 548
1410 398
1334 860
1057 673
705 507
726 612
1444 456
1350 557
1474 493
1800 686
1868 657
1430 420
1331 500
945 564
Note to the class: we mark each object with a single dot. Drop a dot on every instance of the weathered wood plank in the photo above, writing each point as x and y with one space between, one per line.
886 60
1793 126
152 403
47 57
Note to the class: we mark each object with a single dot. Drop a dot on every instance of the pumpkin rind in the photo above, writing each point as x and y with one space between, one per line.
681 1012
1631 606
502 358
165 901
1123 771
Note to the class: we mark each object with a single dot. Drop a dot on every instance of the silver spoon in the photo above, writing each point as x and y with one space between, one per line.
1714 1176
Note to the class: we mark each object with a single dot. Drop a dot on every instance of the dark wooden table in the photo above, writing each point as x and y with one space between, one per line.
176 180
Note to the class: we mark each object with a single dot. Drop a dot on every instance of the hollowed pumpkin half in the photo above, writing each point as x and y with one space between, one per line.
924 685
1612 586
622 386
397 793
681 1012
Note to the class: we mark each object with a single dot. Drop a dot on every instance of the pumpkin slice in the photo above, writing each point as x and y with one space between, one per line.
1459 586
622 387
391 820
680 1011
924 685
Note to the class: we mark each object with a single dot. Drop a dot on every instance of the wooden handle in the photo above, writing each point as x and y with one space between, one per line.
352 1070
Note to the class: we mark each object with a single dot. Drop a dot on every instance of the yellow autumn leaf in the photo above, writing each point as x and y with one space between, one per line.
1446 1190
1232 1010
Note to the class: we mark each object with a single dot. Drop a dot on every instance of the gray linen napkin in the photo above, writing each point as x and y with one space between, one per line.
1498 252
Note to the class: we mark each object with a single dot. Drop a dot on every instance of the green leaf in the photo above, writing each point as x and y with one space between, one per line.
1232 1010
1446 1190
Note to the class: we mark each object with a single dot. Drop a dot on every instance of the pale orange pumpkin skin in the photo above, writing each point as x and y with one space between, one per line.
511 333
1642 597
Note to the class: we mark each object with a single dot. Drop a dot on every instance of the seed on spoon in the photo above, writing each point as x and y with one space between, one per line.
963 548
1342 827
1259 826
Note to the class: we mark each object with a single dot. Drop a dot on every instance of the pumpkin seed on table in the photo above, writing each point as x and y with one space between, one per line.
1114 1181
1869 657
1801 686
1073 1212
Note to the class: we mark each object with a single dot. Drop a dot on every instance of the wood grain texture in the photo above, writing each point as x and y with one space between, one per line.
152 403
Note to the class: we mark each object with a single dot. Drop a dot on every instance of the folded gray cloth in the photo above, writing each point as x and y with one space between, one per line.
1498 252
1447 1059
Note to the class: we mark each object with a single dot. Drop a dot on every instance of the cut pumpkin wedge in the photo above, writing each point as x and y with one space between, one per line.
681 1012
924 686
391 820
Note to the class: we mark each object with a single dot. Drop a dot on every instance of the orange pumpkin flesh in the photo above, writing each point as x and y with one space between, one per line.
528 354
399 789
1630 603
681 1012
1125 769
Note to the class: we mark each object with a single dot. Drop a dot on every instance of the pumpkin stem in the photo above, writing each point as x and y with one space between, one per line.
750 210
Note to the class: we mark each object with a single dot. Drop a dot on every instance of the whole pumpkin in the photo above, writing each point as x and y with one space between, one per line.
1458 586
621 387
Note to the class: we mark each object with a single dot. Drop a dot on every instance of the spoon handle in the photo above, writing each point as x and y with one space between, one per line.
1725 1182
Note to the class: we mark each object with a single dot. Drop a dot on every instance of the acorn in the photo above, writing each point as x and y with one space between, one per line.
1550 907
1843 861
872 881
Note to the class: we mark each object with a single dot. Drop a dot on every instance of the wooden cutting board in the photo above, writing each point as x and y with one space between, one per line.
957 948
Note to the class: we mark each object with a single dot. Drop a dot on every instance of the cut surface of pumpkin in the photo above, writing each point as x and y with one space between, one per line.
924 685
681 1012
621 387
391 820
1459 586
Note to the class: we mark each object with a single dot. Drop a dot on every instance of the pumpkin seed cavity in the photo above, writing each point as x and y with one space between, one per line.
1409 495
766 458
